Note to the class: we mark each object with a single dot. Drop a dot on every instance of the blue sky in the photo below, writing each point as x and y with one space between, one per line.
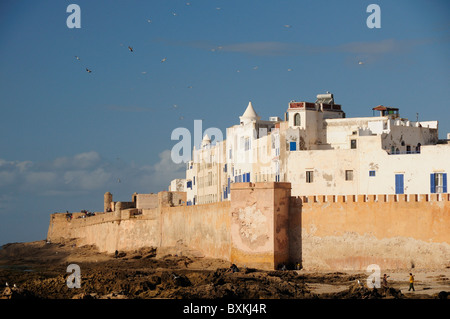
67 136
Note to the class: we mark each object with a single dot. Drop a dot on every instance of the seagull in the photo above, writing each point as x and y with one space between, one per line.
163 60
189 87
77 58
118 180
174 14
218 8
175 276
360 62
144 72
88 71
149 21
289 70
287 26
130 48
255 68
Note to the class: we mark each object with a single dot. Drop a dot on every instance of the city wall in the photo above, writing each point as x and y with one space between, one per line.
264 226
392 231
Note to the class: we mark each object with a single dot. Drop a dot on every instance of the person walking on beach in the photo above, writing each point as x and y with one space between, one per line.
385 283
411 282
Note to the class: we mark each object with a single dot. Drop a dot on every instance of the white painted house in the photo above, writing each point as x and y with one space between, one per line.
321 152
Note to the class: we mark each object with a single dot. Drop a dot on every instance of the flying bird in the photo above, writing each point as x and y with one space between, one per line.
360 62
289 70
287 26
88 71
163 60
130 48
118 180
149 21
77 58
7 285
174 14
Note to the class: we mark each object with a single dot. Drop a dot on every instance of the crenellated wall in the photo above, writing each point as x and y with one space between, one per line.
393 231
263 226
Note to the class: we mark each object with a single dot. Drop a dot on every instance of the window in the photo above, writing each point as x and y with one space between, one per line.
438 183
372 173
399 184
353 144
418 148
309 176
292 146
297 119
189 184
247 144
408 149
348 175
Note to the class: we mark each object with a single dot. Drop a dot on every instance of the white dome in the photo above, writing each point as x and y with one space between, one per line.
249 114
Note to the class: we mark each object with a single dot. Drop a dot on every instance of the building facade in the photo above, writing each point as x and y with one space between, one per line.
320 151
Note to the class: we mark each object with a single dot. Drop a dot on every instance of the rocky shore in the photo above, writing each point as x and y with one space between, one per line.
38 270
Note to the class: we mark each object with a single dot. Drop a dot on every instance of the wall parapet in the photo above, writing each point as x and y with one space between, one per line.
372 198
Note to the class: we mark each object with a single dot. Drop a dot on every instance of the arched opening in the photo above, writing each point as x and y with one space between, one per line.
297 119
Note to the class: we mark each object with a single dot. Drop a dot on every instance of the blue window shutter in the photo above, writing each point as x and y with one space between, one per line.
399 183
432 184
248 177
292 146
444 182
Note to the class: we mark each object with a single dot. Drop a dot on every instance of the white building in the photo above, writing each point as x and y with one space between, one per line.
321 152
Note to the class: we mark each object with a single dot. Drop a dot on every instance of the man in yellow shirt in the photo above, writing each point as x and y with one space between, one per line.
411 282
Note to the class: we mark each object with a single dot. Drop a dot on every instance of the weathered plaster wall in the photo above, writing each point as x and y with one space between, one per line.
259 224
263 226
203 227
388 230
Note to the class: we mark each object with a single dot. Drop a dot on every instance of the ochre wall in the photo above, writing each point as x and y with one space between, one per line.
202 227
259 224
263 227
393 231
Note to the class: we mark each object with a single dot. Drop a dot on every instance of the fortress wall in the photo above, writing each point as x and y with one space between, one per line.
259 224
204 227
264 226
393 231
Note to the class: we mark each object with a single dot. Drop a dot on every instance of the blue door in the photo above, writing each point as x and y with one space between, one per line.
399 189
292 146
